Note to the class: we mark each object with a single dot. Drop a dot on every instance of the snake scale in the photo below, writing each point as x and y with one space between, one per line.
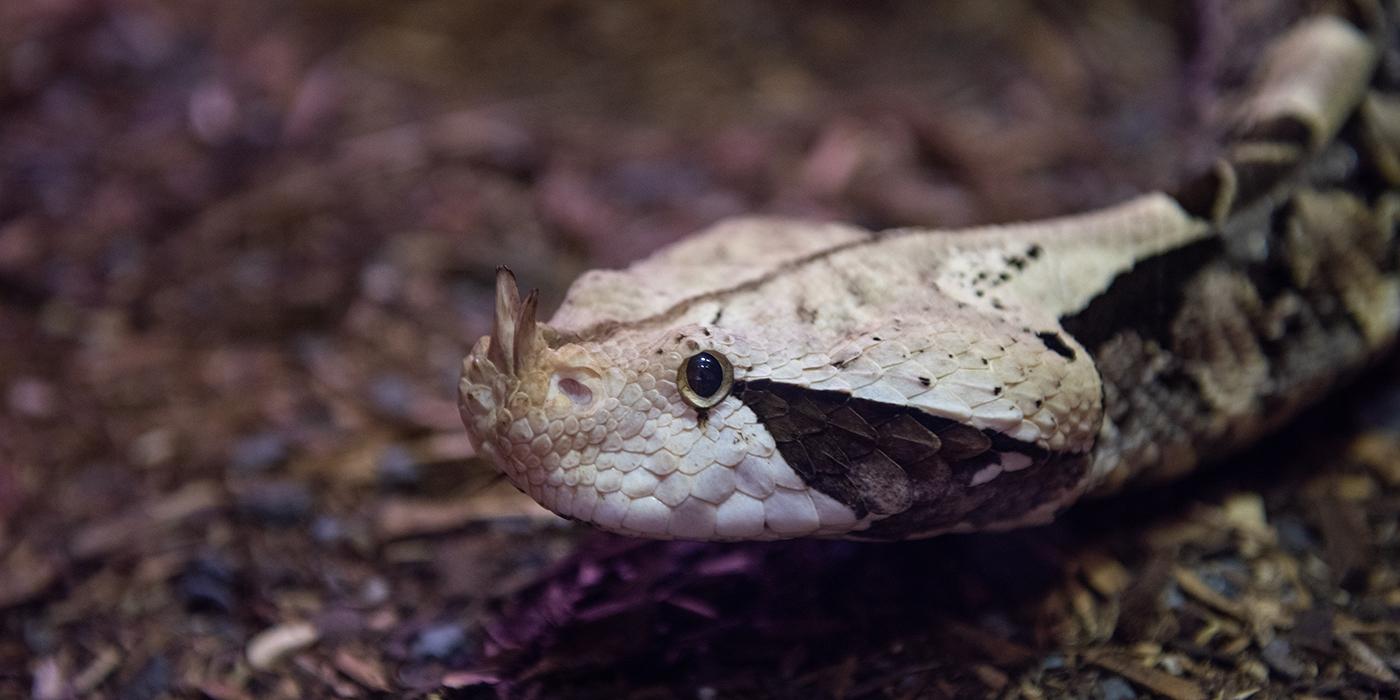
769 379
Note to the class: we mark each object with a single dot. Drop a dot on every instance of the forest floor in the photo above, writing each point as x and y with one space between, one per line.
244 246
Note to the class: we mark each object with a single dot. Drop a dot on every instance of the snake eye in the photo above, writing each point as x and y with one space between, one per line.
705 379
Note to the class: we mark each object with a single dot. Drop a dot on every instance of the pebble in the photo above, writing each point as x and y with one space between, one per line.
1115 688
206 585
381 282
32 397
153 448
1174 598
259 452
272 644
397 467
1221 585
1278 654
440 641
391 395
328 530
39 636
374 591
281 503
149 683
1294 536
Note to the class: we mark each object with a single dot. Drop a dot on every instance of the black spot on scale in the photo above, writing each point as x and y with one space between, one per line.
925 381
1033 252
1054 343
1144 298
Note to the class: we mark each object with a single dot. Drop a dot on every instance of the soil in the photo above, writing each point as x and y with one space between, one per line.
244 246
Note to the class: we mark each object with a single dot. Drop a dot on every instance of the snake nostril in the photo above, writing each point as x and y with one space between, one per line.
577 391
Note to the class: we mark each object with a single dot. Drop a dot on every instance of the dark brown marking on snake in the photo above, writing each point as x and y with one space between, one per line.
1145 297
1200 195
1237 336
898 461
1054 343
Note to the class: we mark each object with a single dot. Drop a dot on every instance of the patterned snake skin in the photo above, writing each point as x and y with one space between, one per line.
767 379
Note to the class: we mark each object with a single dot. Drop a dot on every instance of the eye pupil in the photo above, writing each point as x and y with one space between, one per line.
704 374
704 379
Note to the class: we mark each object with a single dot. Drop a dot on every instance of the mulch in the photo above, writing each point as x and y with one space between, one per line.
243 248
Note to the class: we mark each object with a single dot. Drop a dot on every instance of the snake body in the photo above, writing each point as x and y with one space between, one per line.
769 378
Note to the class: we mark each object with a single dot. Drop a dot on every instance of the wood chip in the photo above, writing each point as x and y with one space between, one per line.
1354 487
1105 575
1246 510
991 677
467 679
102 666
363 671
404 517
999 651
453 446
1348 546
146 520
272 644
1149 678
1192 585
48 683
1381 452
1365 661
27 575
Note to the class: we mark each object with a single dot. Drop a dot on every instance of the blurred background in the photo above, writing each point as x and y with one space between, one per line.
244 246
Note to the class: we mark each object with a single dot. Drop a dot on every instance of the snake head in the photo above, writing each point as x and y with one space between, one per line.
638 432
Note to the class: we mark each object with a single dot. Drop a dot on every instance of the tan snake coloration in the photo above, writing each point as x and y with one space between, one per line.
769 379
